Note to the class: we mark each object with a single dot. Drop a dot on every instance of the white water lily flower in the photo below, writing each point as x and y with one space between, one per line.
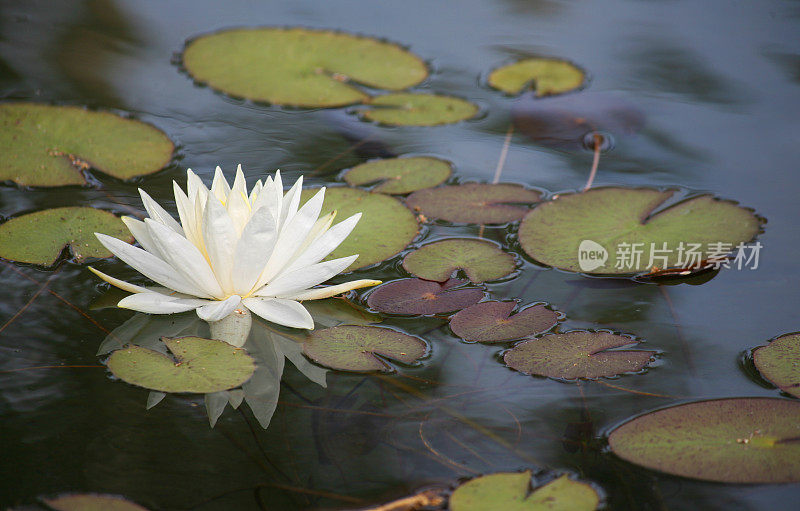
233 250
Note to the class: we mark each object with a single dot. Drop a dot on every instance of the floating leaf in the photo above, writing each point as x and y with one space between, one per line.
779 362
475 203
385 228
738 440
481 260
577 354
40 237
417 296
511 491
200 365
299 66
360 348
339 311
400 175
408 109
45 145
92 502
602 219
550 76
493 322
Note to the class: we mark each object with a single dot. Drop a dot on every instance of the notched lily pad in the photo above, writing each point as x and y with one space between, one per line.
417 296
779 363
549 76
44 145
409 109
199 366
91 502
511 491
738 440
362 348
40 237
577 354
481 260
474 203
300 67
400 175
493 321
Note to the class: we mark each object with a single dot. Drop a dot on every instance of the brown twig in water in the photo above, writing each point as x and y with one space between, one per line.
30 301
598 142
426 498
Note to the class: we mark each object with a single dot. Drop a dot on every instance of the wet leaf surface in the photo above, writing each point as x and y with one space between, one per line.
361 348
481 260
409 109
548 76
417 296
779 363
476 203
738 440
494 322
400 175
92 502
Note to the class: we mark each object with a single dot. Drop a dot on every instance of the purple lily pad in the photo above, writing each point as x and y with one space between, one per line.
493 321
474 203
417 296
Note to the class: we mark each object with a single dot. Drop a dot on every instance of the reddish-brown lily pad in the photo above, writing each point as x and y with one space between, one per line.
481 260
779 362
475 203
417 296
362 348
493 321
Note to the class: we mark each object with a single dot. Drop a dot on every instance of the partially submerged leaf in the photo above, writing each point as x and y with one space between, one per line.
409 109
40 237
476 203
779 362
481 260
92 502
417 296
549 76
577 354
737 440
400 175
493 321
338 311
354 348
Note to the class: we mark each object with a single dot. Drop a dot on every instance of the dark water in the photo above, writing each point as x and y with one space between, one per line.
718 82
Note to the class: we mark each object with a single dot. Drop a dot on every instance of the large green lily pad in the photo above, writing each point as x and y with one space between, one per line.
549 76
409 109
474 203
92 502
400 175
417 296
779 362
511 491
493 321
738 440
200 366
577 354
40 237
44 145
481 260
614 219
298 66
386 226
362 348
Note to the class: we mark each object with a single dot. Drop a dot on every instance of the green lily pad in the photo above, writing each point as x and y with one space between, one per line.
474 203
299 66
738 440
92 502
549 76
417 296
577 354
362 348
200 366
40 237
779 362
44 145
409 109
386 226
400 175
511 491
481 260
603 220
493 322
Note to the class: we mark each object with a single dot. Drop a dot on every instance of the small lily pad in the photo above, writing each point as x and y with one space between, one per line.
779 362
400 175
737 440
474 203
44 145
549 76
577 354
362 348
200 366
417 296
621 222
408 109
481 260
511 491
40 237
298 66
92 502
493 321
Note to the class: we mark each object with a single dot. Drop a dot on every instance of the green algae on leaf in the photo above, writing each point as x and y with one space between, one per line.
91 502
40 237
410 109
475 203
44 145
549 76
400 175
779 363
493 321
577 354
199 366
735 440
362 348
417 296
481 260
300 67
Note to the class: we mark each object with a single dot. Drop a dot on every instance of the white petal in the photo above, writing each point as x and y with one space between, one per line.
291 201
253 250
219 235
195 187
186 212
218 310
158 213
327 292
125 286
156 303
291 283
238 209
142 235
283 312
239 186
219 187
255 191
325 244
